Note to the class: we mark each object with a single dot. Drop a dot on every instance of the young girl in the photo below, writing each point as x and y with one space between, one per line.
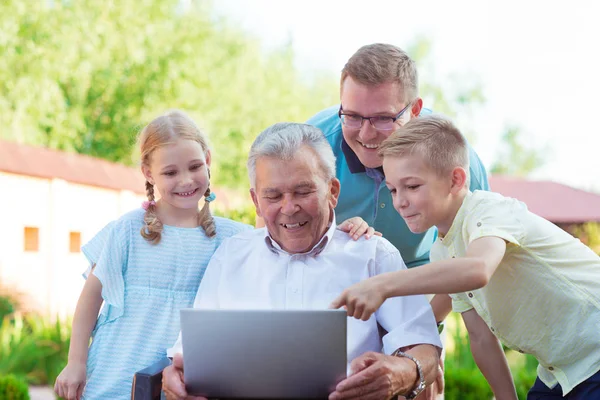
148 264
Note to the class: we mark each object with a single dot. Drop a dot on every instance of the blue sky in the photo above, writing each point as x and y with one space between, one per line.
537 61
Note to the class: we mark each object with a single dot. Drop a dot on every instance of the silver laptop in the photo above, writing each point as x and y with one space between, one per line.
266 354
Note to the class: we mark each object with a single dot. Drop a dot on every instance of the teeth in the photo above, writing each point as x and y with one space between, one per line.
292 226
186 193
370 146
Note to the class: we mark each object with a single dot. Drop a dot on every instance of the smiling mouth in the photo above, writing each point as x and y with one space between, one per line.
187 194
370 146
294 226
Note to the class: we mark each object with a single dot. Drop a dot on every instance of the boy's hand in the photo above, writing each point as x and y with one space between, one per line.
361 300
356 227
71 381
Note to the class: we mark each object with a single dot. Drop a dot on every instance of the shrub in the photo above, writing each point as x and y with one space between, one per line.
7 307
13 388
466 384
33 348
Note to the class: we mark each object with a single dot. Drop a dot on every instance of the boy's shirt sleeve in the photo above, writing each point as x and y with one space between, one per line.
497 216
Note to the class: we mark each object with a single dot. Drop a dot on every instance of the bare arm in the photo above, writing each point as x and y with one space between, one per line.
84 319
439 277
71 381
489 356
449 276
441 305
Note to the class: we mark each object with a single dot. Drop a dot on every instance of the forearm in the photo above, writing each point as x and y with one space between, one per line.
441 304
489 356
440 277
84 319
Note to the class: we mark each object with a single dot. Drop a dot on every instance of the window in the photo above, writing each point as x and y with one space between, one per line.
74 242
31 239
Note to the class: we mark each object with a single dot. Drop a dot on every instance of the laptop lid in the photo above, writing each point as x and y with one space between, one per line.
263 354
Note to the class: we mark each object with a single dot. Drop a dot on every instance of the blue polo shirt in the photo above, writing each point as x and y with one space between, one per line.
364 194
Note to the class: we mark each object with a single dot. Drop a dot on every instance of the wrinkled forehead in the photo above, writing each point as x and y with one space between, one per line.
301 171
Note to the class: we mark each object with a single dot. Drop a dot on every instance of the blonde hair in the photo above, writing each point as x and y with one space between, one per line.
433 137
162 131
379 63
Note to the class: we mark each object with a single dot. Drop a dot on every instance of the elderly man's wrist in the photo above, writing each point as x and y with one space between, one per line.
414 381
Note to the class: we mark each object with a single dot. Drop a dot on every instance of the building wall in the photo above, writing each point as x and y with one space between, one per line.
50 278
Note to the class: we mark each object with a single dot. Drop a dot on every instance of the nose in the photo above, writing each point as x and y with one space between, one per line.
186 179
367 131
400 202
289 205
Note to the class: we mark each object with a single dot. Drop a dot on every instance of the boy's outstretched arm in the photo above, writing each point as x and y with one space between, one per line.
489 356
439 277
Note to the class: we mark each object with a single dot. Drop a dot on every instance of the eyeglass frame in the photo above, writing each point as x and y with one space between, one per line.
362 121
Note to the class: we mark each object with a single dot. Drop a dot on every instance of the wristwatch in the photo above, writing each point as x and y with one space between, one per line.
421 385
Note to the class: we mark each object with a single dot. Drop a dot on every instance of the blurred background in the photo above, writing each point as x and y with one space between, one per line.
79 78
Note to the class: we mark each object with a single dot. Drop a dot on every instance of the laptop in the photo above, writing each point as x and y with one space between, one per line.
263 354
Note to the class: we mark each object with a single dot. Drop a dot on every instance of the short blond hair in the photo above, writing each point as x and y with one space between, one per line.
379 63
433 137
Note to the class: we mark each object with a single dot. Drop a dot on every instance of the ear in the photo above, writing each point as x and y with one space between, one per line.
459 179
208 157
416 107
255 201
334 192
147 173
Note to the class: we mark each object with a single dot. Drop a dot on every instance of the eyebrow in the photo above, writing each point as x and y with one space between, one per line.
377 114
402 179
175 166
301 185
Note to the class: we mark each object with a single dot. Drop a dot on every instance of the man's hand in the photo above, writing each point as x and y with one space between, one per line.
173 384
356 227
376 376
361 300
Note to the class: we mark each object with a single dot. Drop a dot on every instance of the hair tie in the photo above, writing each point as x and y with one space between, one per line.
146 204
210 197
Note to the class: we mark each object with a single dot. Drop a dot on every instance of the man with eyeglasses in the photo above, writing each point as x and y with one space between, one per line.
379 93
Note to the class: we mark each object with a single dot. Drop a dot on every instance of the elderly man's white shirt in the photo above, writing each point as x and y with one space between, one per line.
250 271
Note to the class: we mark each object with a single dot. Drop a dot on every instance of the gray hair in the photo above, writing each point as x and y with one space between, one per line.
283 140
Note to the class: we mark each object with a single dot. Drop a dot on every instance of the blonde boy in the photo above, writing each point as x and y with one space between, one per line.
511 274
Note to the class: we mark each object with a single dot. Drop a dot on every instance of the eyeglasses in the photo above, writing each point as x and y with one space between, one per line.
381 123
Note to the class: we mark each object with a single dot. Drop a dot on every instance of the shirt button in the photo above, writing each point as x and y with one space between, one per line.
382 205
521 351
470 295
479 224
551 368
492 329
295 290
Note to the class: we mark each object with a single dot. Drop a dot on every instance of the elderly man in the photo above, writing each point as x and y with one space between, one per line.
301 261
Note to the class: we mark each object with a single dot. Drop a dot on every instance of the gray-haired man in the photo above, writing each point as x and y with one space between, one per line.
292 174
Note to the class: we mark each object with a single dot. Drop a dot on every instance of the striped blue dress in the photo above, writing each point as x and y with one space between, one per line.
143 286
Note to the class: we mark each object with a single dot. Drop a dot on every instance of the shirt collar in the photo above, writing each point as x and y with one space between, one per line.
354 164
317 248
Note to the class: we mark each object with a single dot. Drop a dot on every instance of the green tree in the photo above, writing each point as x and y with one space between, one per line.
84 76
514 158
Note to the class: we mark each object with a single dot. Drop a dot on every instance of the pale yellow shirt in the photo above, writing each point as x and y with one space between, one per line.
544 298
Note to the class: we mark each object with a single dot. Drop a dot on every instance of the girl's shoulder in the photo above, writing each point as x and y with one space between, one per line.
132 219
227 227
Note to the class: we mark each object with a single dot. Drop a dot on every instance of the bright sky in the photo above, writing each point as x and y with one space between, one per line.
535 60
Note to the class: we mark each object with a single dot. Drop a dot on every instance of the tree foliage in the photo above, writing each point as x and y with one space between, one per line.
84 76
514 158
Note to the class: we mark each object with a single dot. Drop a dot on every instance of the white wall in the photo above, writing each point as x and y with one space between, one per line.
51 278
